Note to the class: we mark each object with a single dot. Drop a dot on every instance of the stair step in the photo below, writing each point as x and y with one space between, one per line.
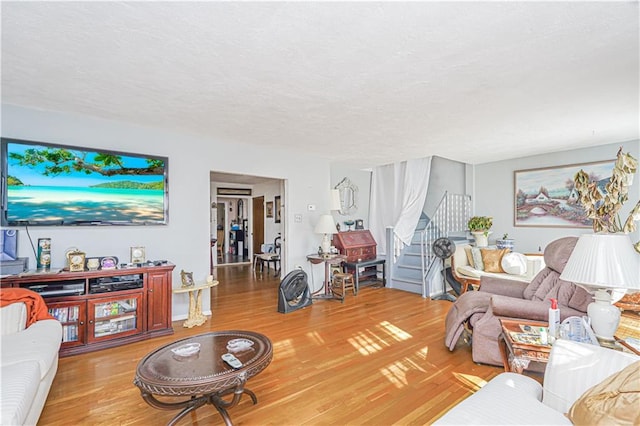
408 274
408 286
411 267
407 281
413 259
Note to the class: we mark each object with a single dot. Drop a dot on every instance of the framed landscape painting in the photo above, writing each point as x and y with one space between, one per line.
546 197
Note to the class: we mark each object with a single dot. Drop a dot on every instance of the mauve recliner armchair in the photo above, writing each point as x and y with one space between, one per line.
515 299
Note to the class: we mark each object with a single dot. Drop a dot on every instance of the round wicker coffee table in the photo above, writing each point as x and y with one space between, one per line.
203 377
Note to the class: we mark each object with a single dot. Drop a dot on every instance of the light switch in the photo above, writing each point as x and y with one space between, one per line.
311 207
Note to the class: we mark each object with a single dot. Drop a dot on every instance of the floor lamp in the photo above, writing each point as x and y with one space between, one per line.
603 263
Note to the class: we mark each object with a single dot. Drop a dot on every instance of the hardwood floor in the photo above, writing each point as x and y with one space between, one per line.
376 359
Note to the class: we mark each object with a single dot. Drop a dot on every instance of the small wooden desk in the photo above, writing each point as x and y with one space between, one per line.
195 303
334 259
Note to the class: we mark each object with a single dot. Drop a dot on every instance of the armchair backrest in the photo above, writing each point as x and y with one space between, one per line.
547 284
13 318
556 254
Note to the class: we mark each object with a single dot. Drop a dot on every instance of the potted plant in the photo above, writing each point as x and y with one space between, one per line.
505 242
480 229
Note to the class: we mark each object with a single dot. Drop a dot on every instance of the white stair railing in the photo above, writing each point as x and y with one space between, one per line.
451 215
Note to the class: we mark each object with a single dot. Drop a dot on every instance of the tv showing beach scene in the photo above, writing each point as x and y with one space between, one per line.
47 184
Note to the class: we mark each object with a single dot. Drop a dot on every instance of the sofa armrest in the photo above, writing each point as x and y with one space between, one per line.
13 318
40 342
503 286
575 367
507 399
504 306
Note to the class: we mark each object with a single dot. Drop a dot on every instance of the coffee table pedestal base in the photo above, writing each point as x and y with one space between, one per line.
195 402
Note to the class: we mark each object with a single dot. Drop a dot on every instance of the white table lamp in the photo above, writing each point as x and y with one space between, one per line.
326 226
602 263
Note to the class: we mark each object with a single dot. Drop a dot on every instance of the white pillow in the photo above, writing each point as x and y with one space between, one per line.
477 258
514 263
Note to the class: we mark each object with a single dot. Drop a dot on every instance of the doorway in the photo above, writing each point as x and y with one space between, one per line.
258 225
244 199
233 229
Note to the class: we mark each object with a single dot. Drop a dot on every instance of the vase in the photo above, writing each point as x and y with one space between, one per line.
482 238
505 243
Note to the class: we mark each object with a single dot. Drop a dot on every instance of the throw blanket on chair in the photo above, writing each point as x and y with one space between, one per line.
467 304
36 308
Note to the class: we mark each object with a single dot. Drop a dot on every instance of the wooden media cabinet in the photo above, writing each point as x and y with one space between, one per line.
104 308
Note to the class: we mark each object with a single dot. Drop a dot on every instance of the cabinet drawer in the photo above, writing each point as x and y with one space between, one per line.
369 252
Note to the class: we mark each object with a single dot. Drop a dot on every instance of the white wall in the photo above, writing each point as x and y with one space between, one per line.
446 175
362 179
185 240
495 191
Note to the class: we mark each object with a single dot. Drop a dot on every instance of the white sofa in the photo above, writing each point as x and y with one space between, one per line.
514 399
28 364
468 275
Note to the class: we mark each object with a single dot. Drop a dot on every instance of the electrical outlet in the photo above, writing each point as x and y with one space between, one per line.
297 218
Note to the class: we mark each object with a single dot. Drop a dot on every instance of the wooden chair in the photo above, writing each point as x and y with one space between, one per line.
220 244
269 258
342 281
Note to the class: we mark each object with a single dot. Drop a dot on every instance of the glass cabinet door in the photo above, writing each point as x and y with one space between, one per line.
72 317
115 317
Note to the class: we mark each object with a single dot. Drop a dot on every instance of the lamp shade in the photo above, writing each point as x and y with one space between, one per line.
604 261
326 225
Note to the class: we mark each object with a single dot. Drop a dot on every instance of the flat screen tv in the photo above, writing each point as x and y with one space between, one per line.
50 184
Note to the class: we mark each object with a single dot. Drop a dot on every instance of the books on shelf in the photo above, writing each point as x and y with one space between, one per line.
69 333
66 314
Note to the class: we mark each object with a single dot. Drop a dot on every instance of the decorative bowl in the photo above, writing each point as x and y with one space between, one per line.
186 350
239 345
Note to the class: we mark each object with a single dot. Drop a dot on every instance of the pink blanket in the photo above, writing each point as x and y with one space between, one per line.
36 308
467 304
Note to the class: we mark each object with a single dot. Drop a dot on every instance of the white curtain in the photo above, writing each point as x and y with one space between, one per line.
398 194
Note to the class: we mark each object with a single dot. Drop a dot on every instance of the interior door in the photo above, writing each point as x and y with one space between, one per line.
258 223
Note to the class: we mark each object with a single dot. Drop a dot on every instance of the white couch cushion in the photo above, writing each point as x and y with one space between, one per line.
19 388
575 367
468 271
40 342
507 399
13 318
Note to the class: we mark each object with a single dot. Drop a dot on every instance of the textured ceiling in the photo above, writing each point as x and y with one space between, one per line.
367 83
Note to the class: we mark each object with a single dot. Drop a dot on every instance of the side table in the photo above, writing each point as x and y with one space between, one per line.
517 354
195 303
334 259
363 264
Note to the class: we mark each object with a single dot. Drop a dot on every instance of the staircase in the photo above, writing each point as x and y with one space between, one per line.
417 268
